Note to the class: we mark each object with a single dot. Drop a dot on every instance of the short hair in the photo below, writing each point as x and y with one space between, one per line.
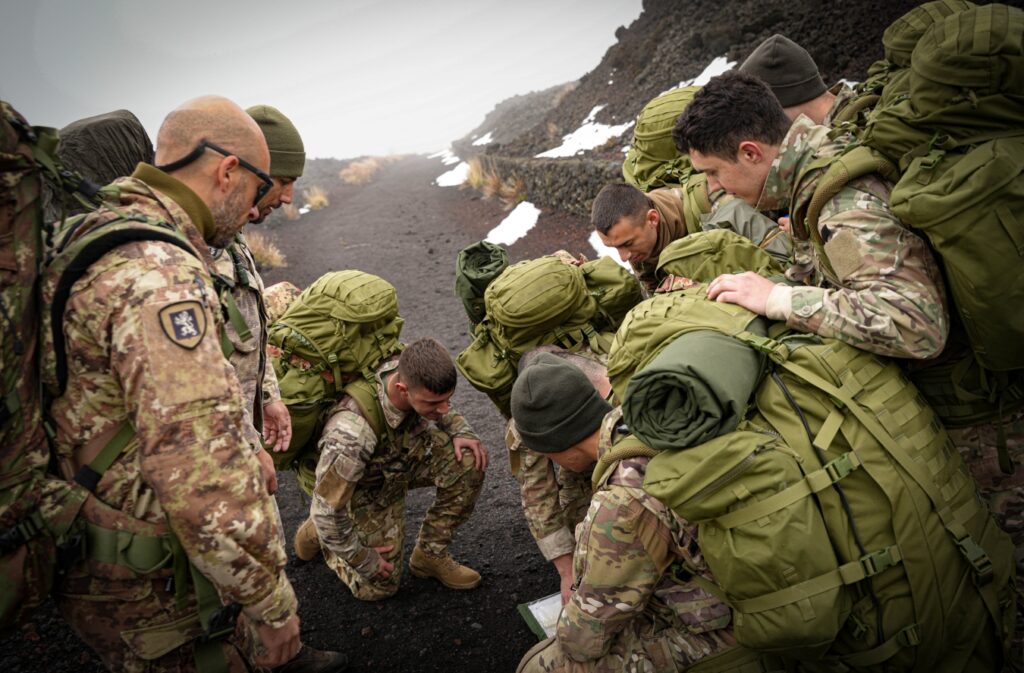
728 110
592 369
426 363
616 201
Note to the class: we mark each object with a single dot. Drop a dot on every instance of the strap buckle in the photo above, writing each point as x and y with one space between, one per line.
776 351
222 622
978 559
842 466
879 561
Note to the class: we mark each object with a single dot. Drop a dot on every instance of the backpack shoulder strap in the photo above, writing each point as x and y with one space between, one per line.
626 447
696 200
364 393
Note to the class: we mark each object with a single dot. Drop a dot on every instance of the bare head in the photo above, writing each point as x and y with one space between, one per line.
625 219
229 181
426 379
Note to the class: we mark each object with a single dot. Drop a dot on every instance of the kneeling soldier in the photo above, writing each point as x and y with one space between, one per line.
372 451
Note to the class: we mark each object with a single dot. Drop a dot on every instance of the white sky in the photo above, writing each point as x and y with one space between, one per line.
357 77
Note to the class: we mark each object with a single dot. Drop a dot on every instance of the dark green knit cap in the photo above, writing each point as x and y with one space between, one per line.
787 69
555 406
287 153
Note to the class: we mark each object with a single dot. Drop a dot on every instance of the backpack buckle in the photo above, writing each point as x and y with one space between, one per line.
776 351
978 559
879 561
842 466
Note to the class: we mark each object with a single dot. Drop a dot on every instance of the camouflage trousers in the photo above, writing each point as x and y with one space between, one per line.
136 626
378 515
1004 493
669 651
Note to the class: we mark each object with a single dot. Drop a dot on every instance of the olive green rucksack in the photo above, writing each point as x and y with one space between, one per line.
653 160
338 330
704 255
476 266
840 523
955 149
545 301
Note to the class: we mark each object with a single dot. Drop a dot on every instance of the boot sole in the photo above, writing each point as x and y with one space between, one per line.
423 574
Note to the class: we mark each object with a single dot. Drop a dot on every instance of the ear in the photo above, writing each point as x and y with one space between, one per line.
401 387
653 218
751 152
225 173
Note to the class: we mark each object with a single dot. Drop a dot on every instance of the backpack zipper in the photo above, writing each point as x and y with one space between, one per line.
735 471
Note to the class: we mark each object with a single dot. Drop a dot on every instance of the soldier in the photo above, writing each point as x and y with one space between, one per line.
181 505
641 225
242 291
554 503
792 75
358 511
876 284
628 611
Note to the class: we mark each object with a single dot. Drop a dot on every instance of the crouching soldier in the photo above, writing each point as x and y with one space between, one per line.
634 606
380 441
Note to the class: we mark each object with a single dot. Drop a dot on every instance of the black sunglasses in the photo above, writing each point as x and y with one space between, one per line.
266 181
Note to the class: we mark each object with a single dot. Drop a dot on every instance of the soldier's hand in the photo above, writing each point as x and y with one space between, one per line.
385 568
474 445
746 289
268 470
785 225
563 564
277 426
278 645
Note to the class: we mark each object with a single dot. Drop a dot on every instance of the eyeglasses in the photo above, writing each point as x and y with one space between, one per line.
266 182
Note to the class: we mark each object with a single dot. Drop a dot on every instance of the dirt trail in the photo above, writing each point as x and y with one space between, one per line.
408 231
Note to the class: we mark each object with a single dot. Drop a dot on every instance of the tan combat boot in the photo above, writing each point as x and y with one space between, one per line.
307 544
445 569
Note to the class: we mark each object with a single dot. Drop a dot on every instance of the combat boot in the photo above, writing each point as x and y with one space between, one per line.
307 544
445 569
312 660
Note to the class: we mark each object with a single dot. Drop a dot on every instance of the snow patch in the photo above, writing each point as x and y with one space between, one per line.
446 156
454 177
518 223
486 139
304 209
604 251
589 135
716 67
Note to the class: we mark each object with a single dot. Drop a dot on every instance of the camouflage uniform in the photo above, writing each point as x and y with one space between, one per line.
630 611
886 295
843 93
727 213
554 504
278 297
361 482
237 274
143 348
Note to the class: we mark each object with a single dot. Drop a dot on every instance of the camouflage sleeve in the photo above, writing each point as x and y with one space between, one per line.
456 425
621 554
184 401
540 494
738 216
346 445
271 390
889 300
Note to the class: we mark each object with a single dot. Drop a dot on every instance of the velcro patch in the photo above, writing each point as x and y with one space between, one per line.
844 253
184 323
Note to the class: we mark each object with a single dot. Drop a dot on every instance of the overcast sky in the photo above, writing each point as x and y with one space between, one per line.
356 77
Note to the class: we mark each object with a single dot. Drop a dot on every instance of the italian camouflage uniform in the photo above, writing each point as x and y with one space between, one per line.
886 294
246 327
277 298
632 608
554 502
727 212
141 329
362 479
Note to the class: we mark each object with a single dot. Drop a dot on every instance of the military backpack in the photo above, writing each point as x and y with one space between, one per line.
336 332
545 301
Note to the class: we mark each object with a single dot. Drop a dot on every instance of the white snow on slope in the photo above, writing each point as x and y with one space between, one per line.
485 139
520 221
716 67
604 251
454 177
446 156
589 135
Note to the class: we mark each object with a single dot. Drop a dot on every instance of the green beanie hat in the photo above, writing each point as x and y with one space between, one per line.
554 405
787 69
287 154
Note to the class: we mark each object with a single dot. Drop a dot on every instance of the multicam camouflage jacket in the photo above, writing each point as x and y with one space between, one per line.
553 503
632 561
237 268
843 93
141 330
886 295
356 466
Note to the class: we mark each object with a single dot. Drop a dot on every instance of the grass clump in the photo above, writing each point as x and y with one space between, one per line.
316 198
290 212
264 251
484 177
362 171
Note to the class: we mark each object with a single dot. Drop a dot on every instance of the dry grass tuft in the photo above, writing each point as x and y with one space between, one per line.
475 175
362 171
512 191
264 251
484 177
316 198
290 211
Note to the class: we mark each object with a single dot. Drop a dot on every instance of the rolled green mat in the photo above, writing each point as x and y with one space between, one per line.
476 266
696 389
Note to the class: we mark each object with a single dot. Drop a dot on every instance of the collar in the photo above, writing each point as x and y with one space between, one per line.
393 416
198 212
671 220
797 149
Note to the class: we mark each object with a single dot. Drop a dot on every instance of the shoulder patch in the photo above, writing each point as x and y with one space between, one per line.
184 323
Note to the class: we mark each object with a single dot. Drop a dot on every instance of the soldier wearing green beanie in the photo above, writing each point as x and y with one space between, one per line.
287 156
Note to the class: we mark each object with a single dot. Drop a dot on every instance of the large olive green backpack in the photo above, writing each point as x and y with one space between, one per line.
704 255
955 149
545 301
338 330
839 522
